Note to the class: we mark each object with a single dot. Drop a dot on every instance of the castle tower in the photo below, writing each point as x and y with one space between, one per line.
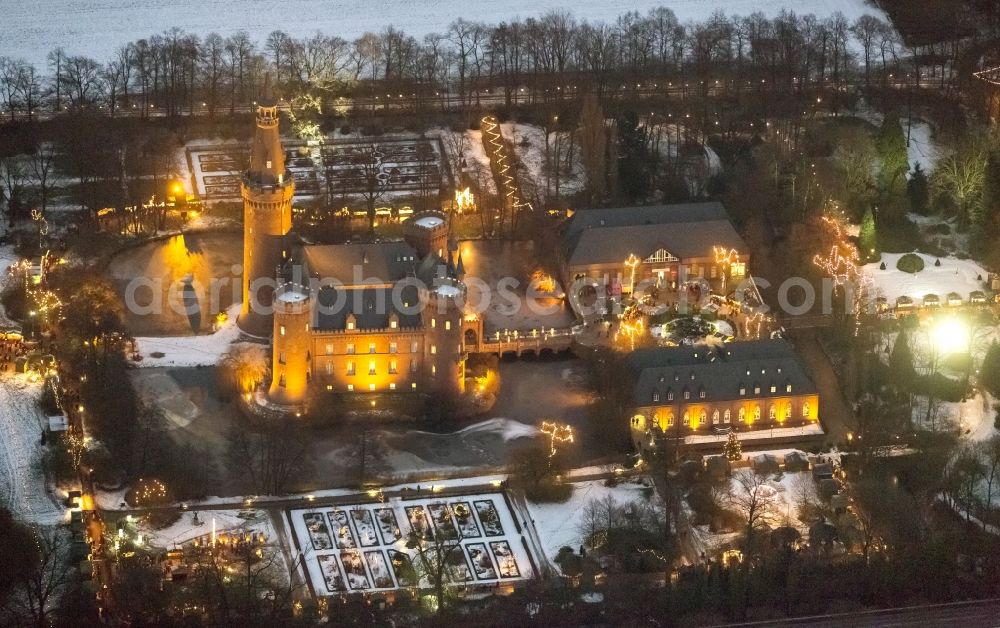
444 348
291 359
427 232
267 191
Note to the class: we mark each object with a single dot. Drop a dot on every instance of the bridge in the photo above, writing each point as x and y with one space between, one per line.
532 342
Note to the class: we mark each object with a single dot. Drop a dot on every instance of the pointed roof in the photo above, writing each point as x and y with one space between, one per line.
267 155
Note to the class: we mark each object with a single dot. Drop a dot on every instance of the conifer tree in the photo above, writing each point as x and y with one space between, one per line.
733 450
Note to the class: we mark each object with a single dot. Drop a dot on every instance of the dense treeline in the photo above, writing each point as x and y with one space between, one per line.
177 72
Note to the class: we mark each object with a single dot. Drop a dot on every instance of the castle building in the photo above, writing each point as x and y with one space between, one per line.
267 189
350 318
661 245
742 386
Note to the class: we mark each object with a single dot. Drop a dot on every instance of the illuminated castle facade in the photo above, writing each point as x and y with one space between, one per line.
351 318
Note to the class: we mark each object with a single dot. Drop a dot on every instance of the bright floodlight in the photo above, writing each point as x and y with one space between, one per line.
951 336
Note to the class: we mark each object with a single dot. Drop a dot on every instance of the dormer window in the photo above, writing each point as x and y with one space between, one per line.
687 394
267 164
788 388
656 396
670 395
692 376
701 393
743 390
756 388
774 388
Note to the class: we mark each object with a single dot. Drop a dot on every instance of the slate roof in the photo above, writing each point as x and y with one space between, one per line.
608 236
362 272
719 371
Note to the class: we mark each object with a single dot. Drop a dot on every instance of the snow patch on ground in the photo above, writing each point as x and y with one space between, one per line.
557 524
185 530
507 428
204 350
923 149
953 275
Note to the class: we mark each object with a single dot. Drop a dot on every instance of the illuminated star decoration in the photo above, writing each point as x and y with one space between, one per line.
557 433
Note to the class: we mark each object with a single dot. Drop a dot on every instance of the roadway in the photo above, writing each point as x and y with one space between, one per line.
976 614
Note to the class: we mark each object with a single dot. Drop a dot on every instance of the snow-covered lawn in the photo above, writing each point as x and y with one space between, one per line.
923 149
529 146
22 481
362 547
558 524
953 275
72 23
202 350
185 530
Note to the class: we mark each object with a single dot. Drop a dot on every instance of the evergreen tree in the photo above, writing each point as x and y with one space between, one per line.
867 238
593 149
918 190
989 374
901 362
733 450
891 147
991 189
633 157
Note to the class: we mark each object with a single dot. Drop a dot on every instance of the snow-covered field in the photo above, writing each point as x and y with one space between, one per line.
22 481
185 529
98 27
953 275
364 546
202 350
558 524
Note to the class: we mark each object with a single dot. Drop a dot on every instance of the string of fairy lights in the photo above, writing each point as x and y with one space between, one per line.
843 265
990 75
503 163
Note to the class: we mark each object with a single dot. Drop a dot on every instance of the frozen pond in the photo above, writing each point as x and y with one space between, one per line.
175 287
98 27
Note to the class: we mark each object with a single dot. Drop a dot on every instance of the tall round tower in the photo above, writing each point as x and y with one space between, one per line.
267 191
444 350
291 359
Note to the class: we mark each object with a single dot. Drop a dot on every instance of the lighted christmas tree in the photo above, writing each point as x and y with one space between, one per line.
733 450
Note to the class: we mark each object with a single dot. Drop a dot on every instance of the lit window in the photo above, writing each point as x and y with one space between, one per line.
413 385
743 391
350 348
329 387
738 269
687 394
788 411
701 394
267 164
715 418
329 348
371 387
350 388
281 358
371 367
447 325
434 349
329 368
788 388
687 418
434 369
702 418
371 347
756 413
774 388
392 386
772 414
805 410
743 415
350 324
656 397
281 330
670 395
307 327
393 324
433 323
413 346
727 416
670 419
392 367
756 390
413 366
392 347
350 367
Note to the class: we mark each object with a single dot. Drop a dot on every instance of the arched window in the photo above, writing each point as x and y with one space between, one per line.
756 413
772 413
727 416
687 418
715 418
805 410
702 418
743 415
670 419
788 411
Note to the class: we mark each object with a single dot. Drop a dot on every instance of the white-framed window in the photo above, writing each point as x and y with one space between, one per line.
756 414
414 346
702 418
393 324
774 388
743 391
350 367
434 323
371 367
656 396
670 395
392 386
661 255
281 330
447 325
687 418
715 417
413 385
392 367
687 394
738 269
371 387
772 414
350 324
743 415
350 348
371 347
701 394
805 410
434 349
788 411
329 348
329 368
756 390
350 388
670 419
393 348
788 388
727 416
413 366
434 369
